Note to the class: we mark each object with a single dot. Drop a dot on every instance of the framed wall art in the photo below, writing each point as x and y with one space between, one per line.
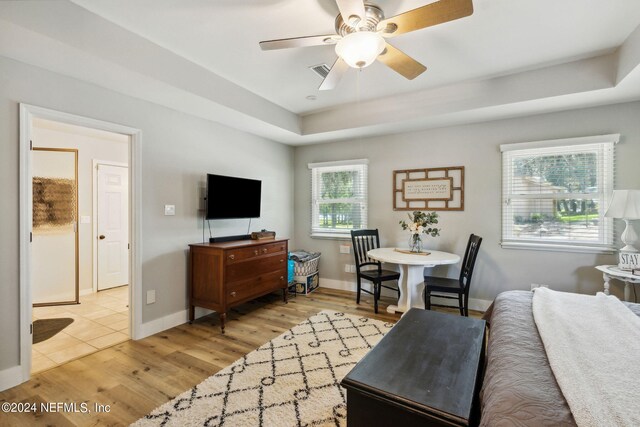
434 189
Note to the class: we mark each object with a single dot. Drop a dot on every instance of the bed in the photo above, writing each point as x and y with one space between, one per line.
519 388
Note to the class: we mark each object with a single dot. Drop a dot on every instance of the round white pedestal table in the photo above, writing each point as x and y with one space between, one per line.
411 266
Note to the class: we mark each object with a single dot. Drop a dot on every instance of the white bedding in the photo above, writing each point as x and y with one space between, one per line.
593 347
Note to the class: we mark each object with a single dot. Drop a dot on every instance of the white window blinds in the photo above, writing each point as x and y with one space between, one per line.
555 194
338 197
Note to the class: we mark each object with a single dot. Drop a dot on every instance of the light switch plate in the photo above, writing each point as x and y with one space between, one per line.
169 210
85 219
345 249
151 296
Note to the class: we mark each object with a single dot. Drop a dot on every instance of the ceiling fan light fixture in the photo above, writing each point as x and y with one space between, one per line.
360 49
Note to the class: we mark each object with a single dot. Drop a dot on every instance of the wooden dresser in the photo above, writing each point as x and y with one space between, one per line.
223 275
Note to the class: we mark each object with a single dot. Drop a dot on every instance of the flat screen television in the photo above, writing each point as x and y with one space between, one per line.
230 197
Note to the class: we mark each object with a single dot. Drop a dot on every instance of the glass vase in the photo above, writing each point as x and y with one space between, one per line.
415 243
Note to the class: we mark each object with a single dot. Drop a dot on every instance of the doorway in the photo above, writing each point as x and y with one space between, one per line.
114 312
71 318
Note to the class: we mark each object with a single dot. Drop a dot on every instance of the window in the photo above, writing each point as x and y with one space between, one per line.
338 198
555 194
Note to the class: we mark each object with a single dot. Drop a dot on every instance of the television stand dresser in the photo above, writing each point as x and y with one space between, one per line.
223 275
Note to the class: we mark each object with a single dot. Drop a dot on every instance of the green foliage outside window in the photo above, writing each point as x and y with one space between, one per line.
568 173
336 186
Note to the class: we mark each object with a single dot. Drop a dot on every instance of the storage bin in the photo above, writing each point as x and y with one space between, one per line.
305 284
305 268
291 267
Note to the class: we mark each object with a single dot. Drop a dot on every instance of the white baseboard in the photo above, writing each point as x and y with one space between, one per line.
163 323
170 321
10 377
474 303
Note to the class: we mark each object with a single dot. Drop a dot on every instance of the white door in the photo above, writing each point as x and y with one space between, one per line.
113 226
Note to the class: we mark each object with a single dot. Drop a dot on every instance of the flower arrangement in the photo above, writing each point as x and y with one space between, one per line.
420 223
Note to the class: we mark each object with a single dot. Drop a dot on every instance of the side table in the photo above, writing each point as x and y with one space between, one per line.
613 272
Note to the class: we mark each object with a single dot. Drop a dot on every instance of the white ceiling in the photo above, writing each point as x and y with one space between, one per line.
511 57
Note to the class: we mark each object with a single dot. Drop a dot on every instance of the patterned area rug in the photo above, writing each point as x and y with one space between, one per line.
293 380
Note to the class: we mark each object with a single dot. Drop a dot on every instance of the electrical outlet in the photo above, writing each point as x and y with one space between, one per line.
169 210
345 249
347 268
151 296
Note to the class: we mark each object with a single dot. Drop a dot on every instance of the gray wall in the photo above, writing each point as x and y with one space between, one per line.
178 150
477 148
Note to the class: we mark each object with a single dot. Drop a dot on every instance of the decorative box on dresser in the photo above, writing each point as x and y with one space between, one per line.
226 274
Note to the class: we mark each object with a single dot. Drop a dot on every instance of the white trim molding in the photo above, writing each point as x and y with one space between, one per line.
163 323
338 163
10 377
597 139
22 372
474 303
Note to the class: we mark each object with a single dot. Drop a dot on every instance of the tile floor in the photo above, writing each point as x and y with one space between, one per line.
100 320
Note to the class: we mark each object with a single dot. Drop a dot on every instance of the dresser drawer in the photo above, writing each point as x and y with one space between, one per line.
258 285
241 254
260 265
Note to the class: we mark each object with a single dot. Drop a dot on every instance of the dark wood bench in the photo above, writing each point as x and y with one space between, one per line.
426 371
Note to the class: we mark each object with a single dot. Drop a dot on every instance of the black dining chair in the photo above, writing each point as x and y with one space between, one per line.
437 286
363 241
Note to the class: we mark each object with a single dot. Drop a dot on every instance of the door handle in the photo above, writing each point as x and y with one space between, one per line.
102 237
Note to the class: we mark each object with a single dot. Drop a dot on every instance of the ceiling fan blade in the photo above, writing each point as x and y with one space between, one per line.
401 63
299 42
426 16
335 75
350 10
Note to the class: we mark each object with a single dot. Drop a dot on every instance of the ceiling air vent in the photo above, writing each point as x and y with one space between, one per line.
322 70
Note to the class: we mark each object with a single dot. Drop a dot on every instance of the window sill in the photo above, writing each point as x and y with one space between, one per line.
331 236
549 247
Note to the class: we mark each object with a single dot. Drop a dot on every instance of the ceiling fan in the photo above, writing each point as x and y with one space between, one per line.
361 30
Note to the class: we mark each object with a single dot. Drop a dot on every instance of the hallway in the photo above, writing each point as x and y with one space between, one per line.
99 321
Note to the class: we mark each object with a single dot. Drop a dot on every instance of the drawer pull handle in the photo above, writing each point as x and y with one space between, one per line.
232 256
255 252
281 277
282 248
264 250
233 294
281 260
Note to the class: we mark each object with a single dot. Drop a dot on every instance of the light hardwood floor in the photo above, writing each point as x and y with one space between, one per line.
135 377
